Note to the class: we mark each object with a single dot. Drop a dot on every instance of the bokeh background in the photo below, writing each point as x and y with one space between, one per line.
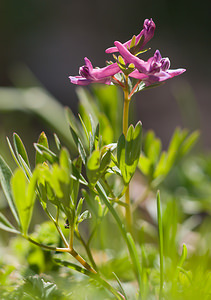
51 38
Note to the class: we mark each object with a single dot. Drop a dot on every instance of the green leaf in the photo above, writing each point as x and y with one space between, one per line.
72 121
109 102
84 127
79 145
160 234
161 166
84 216
96 165
46 153
79 206
76 166
133 41
135 257
20 149
64 160
76 175
121 61
189 142
183 256
128 151
94 276
106 130
93 203
145 165
57 142
93 166
120 285
42 140
121 226
5 178
13 153
24 197
6 225
25 167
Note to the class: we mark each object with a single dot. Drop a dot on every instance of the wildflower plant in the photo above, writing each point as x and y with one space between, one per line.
95 182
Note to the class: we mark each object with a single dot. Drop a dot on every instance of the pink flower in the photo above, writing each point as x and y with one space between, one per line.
147 32
88 74
156 69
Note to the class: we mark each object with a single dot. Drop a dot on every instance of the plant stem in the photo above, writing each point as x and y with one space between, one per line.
96 277
71 236
88 251
68 250
134 89
125 110
125 127
102 193
57 226
128 210
81 260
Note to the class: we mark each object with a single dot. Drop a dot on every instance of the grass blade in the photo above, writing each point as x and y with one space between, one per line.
160 234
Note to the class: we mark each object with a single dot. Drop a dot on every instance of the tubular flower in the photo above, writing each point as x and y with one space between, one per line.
156 69
88 74
147 33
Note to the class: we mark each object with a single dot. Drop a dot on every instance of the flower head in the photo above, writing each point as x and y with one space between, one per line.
141 39
156 69
88 74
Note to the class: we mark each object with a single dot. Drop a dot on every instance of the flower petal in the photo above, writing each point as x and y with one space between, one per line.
130 58
108 71
176 72
79 80
136 74
88 64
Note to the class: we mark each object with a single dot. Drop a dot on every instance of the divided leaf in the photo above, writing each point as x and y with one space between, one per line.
156 164
96 165
128 151
24 197
5 178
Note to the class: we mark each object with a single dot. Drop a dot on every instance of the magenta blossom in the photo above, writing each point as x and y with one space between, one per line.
88 74
156 69
147 32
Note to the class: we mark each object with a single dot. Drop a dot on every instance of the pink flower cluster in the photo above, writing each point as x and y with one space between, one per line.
154 70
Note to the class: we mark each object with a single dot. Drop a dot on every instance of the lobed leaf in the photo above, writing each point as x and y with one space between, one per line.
128 151
24 197
20 148
5 178
42 140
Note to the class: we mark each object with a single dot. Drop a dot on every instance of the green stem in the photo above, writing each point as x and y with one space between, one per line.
128 210
71 236
125 128
102 193
86 247
96 277
134 89
55 221
125 111
68 250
